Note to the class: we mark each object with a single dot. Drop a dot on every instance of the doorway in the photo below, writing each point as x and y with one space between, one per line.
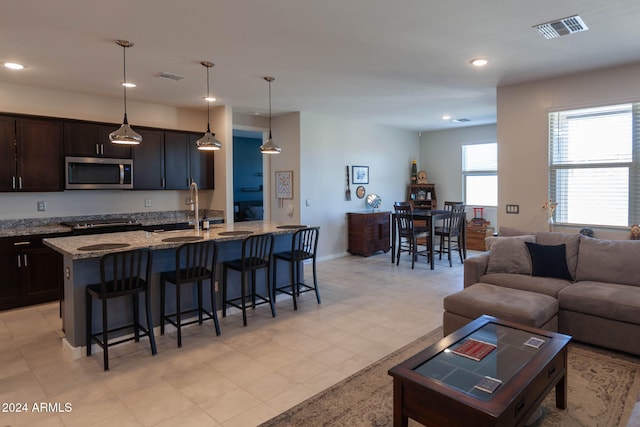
247 176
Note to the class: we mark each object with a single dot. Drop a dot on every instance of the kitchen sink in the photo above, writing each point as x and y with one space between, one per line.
103 246
183 239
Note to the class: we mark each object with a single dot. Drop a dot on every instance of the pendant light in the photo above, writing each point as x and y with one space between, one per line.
269 147
208 141
124 134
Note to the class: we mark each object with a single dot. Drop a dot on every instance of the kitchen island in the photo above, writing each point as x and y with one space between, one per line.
81 258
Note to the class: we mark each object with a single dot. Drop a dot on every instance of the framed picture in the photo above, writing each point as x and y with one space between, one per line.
284 184
359 174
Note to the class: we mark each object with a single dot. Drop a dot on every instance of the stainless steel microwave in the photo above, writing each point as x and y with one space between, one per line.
93 173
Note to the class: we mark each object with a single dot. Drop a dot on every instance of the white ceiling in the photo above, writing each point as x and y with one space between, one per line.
401 63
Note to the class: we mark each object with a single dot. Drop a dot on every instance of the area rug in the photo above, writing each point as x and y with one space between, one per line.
603 386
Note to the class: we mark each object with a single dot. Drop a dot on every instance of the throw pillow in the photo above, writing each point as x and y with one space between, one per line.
549 260
509 254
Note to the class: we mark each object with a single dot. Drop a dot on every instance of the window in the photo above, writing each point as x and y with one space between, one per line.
480 174
593 165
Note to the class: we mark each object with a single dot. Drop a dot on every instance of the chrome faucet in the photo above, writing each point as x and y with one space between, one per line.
194 188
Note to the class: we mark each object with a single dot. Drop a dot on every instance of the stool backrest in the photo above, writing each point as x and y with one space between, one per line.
453 224
304 243
124 271
196 260
257 250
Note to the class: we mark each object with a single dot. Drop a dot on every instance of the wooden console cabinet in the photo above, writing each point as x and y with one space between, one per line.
368 232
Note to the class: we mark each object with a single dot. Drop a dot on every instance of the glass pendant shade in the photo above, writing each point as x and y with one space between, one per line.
208 142
270 147
125 134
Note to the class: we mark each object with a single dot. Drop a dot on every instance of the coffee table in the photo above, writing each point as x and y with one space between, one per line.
440 387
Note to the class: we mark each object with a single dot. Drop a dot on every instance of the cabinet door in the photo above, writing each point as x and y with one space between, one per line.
7 153
176 161
148 161
40 155
10 279
92 140
201 164
43 278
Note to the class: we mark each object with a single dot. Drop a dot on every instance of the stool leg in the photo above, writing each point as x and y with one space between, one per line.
214 306
162 300
105 343
89 322
136 317
268 285
242 295
199 285
274 282
152 337
253 289
178 320
292 279
224 291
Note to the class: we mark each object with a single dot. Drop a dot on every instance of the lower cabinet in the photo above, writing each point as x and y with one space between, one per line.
368 232
32 272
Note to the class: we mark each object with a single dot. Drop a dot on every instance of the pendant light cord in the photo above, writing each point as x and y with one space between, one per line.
208 103
124 83
270 109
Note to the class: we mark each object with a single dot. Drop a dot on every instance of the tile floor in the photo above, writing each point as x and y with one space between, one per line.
369 308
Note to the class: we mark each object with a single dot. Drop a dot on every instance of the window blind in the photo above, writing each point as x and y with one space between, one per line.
593 165
480 157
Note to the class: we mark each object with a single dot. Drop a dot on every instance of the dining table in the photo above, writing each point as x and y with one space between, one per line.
430 216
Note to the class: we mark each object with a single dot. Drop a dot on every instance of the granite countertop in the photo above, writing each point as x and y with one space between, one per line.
95 245
37 226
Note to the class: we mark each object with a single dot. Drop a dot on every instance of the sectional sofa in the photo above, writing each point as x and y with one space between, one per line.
584 287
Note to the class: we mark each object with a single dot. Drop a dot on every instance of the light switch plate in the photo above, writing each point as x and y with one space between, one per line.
513 209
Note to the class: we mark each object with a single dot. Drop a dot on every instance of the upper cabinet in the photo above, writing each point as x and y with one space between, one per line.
148 161
31 154
184 163
86 139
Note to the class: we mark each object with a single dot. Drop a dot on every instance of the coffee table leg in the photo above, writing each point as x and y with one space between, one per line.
399 420
561 393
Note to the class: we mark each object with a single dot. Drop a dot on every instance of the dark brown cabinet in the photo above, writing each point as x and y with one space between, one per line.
368 232
86 139
422 196
184 163
32 272
32 155
148 161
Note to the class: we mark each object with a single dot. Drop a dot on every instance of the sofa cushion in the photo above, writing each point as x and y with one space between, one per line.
509 254
524 307
572 242
607 300
511 232
543 285
612 261
549 260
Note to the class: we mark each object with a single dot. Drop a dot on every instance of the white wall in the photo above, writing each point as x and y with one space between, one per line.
327 145
523 139
441 158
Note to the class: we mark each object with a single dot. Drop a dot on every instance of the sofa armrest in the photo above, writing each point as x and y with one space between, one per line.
474 268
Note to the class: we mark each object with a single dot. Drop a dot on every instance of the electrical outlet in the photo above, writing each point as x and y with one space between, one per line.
513 209
147 202
42 206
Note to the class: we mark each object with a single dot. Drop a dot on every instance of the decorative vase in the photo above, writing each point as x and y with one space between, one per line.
550 222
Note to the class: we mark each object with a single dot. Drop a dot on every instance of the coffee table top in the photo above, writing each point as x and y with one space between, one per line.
508 359
495 351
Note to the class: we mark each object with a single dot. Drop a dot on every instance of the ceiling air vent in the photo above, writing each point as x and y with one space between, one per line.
460 120
170 76
561 27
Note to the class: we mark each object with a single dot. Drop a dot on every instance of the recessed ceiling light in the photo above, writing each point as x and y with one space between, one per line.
479 62
128 84
209 98
13 65
446 117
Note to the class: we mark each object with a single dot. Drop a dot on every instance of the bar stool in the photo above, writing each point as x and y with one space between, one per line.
121 274
195 263
304 245
256 255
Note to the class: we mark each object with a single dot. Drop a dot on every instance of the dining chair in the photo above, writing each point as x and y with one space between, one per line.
195 264
304 246
257 250
410 236
451 232
122 274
